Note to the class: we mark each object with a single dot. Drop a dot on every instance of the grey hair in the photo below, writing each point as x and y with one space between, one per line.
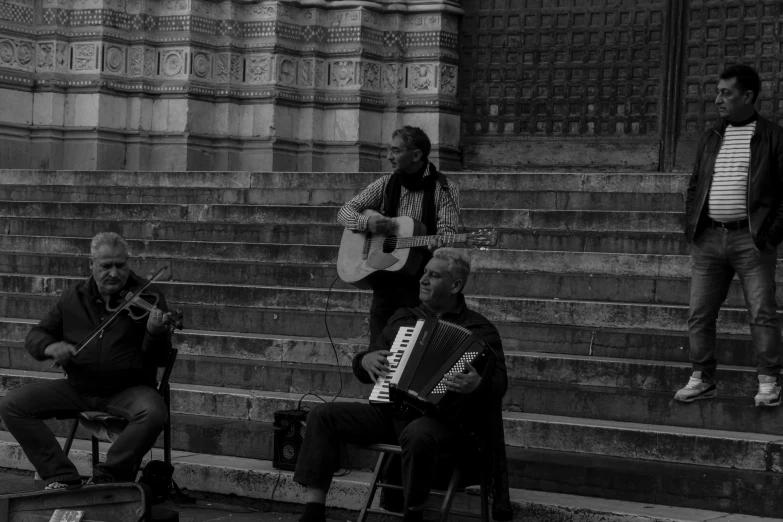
112 239
458 262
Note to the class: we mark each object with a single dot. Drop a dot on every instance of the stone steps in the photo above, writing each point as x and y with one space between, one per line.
256 479
674 183
549 199
588 286
640 242
617 220
295 311
682 445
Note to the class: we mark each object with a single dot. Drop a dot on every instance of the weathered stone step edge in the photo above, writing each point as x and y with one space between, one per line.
633 242
686 485
251 478
246 347
739 450
495 275
568 369
275 310
506 219
494 259
583 181
539 199
624 391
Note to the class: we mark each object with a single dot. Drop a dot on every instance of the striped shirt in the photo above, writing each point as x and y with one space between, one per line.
410 205
728 193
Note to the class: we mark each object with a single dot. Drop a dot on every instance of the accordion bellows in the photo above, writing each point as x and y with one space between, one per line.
422 356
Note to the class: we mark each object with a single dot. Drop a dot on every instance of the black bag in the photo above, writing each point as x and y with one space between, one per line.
159 477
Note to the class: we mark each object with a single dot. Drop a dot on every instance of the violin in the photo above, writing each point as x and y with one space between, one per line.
136 301
140 304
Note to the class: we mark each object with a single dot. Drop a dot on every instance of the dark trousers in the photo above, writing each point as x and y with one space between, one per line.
718 254
422 439
24 409
390 291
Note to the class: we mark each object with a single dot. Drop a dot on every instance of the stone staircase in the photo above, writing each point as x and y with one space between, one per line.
589 287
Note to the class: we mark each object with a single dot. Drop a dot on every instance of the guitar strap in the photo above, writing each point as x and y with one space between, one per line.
444 184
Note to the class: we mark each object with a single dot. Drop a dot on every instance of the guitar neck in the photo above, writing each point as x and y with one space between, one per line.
422 241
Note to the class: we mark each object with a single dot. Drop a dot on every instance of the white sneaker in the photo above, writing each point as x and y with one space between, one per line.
696 389
769 391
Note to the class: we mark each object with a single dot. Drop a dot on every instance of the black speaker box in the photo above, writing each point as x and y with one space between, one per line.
289 426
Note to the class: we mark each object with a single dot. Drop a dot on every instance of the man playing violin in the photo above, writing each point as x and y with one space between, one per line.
115 373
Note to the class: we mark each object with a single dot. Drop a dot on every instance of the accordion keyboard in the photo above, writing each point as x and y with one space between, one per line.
404 340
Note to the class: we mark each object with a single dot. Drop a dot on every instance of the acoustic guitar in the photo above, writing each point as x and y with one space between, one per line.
364 253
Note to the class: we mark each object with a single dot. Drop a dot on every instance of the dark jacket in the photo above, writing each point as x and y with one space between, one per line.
125 355
765 182
484 406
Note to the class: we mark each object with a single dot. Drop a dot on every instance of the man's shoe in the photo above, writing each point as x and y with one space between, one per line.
65 484
696 389
769 391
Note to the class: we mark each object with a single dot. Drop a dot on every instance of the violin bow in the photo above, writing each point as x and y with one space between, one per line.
95 333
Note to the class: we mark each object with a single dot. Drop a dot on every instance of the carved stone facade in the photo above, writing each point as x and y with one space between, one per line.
219 85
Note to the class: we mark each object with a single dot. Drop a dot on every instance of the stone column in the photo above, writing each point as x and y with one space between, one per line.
203 85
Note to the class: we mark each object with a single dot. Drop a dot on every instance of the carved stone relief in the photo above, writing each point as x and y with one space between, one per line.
258 69
115 60
172 62
391 77
448 79
84 57
45 60
136 61
202 65
149 63
286 74
306 75
319 73
343 73
371 77
421 77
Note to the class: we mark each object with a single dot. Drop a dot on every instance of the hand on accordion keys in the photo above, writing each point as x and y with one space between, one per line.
376 364
465 382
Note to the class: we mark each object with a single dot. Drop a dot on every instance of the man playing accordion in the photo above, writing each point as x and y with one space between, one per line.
422 438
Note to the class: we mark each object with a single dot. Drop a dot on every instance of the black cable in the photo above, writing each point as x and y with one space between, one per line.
334 348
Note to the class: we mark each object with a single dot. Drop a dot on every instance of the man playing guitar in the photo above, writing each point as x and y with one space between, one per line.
417 190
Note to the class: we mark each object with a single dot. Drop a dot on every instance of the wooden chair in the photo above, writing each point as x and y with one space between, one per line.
103 427
386 451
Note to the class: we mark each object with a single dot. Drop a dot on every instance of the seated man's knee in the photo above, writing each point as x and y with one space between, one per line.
418 434
154 412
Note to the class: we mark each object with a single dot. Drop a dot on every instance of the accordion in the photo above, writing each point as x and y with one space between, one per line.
422 356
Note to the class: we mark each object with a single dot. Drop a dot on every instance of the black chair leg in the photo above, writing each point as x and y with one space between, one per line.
453 483
373 487
71 435
96 455
484 498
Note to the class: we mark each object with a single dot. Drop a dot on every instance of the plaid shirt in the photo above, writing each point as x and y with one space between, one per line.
410 205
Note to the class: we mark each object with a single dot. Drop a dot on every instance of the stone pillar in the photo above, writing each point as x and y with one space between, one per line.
222 85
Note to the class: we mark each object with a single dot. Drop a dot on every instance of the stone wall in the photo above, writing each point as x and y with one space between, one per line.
202 85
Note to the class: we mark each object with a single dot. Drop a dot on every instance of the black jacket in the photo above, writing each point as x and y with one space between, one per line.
484 406
765 182
125 355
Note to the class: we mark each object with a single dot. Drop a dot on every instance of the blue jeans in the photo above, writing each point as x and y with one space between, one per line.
718 254
24 409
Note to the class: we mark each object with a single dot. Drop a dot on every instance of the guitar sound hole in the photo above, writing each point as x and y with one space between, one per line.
389 244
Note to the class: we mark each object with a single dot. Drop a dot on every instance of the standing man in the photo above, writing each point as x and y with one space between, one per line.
735 222
415 189
115 373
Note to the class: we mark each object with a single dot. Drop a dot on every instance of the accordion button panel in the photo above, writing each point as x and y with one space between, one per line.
458 367
404 339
